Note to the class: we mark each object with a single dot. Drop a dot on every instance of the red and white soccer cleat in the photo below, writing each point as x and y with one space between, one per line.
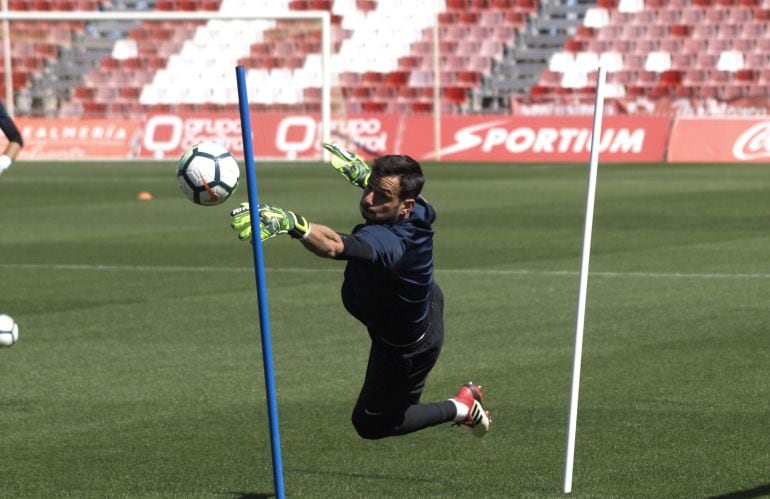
477 420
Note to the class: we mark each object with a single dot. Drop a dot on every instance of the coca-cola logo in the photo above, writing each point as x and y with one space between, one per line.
754 143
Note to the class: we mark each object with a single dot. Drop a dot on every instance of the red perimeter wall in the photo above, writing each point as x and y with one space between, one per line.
500 138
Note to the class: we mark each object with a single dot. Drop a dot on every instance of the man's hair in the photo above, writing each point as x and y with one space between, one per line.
407 170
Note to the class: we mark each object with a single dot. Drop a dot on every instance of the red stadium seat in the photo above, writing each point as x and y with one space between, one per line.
397 78
661 91
94 109
366 5
372 78
166 5
671 77
680 30
187 5
448 17
468 17
373 107
422 107
361 93
65 5
456 95
468 79
528 5
746 75
320 4
764 76
212 5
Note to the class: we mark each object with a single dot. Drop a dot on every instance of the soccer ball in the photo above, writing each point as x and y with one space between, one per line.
208 174
9 331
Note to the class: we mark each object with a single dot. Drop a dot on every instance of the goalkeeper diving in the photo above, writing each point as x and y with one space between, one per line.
389 287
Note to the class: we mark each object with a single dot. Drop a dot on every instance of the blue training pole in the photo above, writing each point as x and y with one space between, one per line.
259 270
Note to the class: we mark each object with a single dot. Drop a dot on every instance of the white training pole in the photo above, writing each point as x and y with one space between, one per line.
9 103
437 84
581 308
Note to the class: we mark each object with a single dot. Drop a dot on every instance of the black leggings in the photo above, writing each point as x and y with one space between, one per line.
389 403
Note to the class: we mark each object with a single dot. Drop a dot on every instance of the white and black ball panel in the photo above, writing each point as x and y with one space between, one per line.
9 331
208 174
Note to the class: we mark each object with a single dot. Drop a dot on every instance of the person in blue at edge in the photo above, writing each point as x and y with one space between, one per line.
389 287
15 142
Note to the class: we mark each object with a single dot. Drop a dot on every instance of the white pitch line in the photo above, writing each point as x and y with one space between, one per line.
682 275
492 272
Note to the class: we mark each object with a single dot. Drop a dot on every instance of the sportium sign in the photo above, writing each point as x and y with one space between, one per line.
720 140
539 139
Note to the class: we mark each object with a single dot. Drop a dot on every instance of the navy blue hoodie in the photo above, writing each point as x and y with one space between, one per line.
390 293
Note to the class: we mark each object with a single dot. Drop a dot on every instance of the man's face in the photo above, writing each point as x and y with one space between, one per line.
380 202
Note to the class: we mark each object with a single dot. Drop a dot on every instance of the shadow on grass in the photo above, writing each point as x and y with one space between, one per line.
761 491
370 476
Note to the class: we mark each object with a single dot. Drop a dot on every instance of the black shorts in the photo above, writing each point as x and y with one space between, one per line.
395 376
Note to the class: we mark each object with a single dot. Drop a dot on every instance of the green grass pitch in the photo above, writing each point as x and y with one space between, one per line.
138 370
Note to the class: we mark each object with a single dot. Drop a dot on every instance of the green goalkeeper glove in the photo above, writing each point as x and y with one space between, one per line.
272 221
349 164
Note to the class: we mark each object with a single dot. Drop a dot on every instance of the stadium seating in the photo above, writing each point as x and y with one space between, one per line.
488 52
698 49
102 67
